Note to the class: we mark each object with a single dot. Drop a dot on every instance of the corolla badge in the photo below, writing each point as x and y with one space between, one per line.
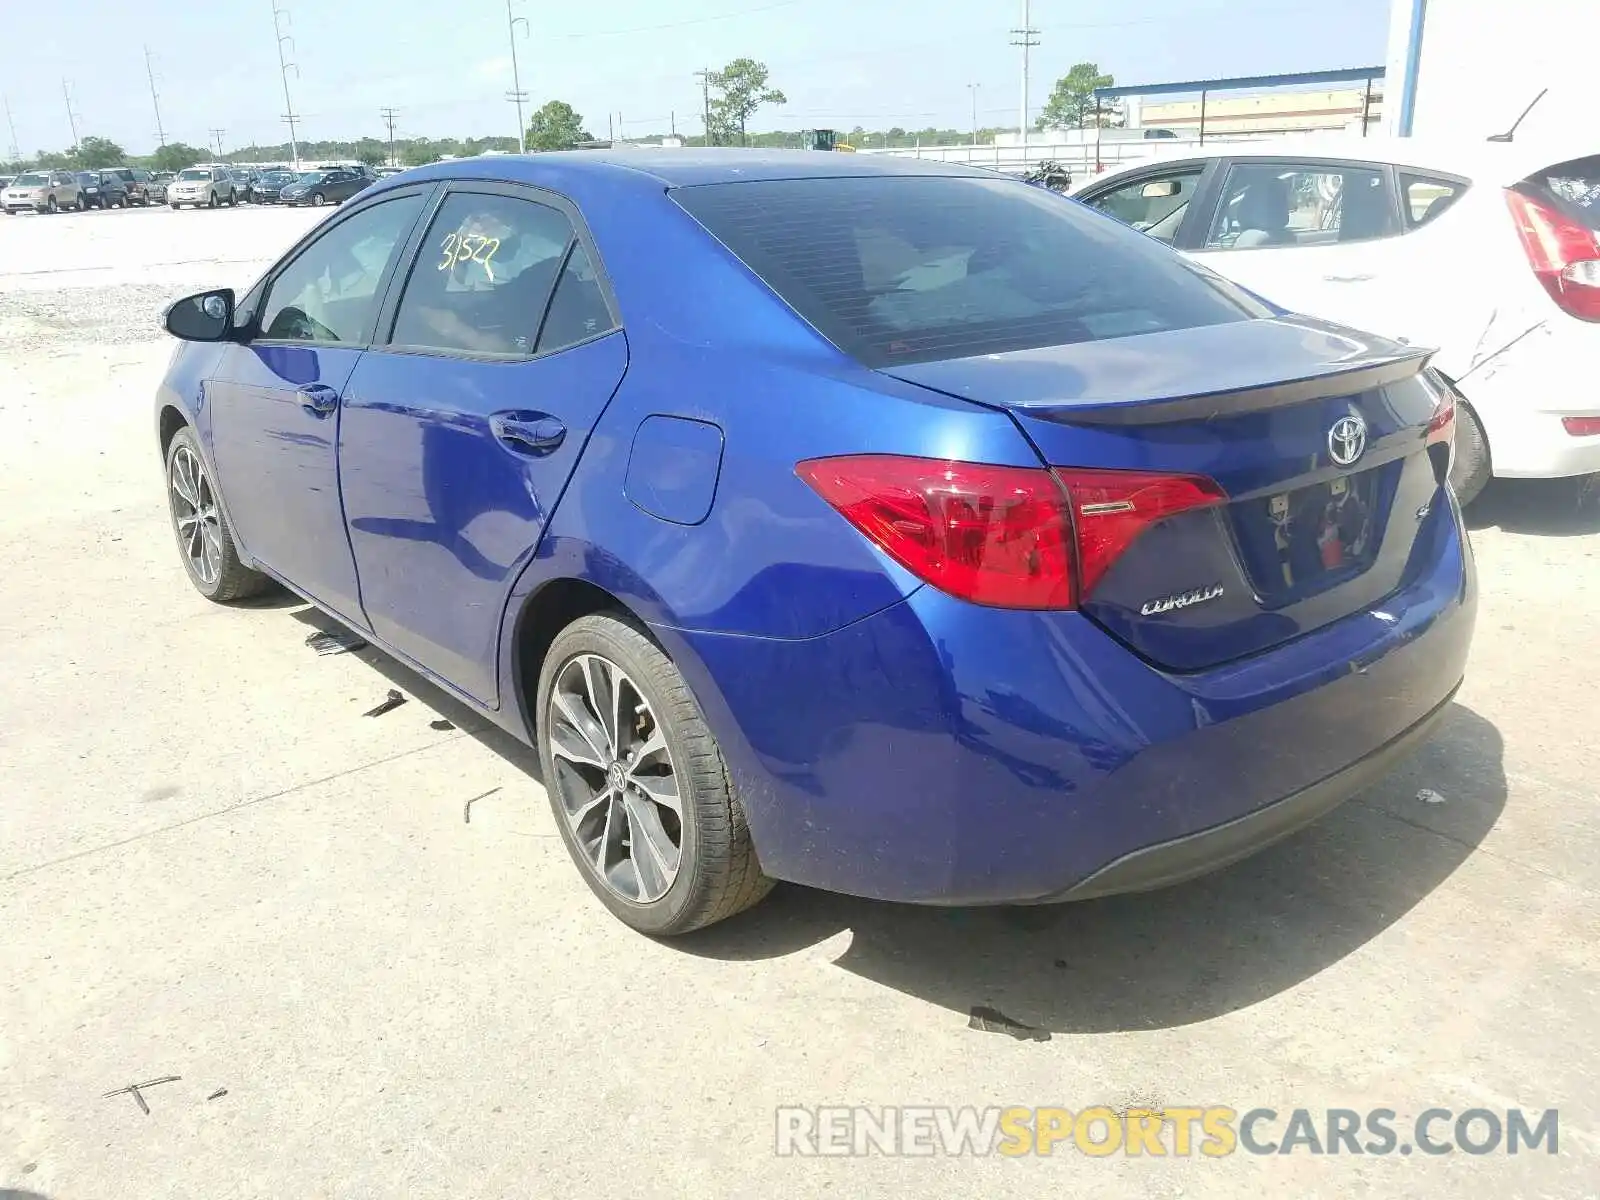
1347 439
1153 608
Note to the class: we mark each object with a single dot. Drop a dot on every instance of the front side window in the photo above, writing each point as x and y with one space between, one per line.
908 269
1154 204
1310 204
483 276
329 292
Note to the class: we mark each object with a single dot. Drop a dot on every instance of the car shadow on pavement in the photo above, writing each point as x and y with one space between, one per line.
1177 956
1543 507
403 679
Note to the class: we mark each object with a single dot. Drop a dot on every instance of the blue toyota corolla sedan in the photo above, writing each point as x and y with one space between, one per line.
889 527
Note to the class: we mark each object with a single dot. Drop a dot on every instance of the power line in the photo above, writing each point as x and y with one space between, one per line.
727 16
284 67
216 140
516 95
389 115
161 135
1027 37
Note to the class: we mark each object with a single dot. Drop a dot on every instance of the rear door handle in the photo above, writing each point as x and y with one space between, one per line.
528 433
318 399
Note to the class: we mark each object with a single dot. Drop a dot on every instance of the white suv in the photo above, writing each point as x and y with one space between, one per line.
203 187
1488 252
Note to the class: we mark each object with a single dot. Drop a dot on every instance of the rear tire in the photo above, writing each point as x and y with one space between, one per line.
1471 469
50 205
713 872
205 540
211 202
233 199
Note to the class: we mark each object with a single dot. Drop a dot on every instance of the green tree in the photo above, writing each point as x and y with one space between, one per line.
175 156
743 87
50 158
95 153
372 152
556 126
1071 104
418 153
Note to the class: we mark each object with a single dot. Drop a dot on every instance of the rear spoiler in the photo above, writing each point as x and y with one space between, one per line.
1209 406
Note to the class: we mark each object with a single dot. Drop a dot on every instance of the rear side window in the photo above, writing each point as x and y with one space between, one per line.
1575 186
484 276
1304 204
902 270
1424 197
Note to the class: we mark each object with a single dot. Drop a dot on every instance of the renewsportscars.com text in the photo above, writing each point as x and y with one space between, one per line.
1206 1131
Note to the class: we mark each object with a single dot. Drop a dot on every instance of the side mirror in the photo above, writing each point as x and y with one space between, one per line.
1161 189
204 317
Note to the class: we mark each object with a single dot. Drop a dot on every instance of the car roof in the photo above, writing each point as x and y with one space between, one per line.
1503 162
688 167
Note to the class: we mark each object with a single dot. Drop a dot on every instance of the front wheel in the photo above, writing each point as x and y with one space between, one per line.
1470 470
173 207
205 542
637 784
233 199
50 205
318 199
211 201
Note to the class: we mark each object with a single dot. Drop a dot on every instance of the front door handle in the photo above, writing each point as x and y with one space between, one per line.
528 433
318 399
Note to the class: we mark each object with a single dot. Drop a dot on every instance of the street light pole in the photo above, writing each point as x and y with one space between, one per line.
973 89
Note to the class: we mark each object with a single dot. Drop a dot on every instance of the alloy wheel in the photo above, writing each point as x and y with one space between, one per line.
614 778
195 514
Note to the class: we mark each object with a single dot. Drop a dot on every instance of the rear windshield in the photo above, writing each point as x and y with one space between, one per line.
1576 185
29 180
914 269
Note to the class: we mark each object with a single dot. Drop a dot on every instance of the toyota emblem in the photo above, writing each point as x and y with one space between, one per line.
1347 440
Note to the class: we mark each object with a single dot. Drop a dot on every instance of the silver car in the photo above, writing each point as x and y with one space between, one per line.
203 187
42 191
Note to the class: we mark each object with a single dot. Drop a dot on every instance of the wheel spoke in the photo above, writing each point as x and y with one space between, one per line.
605 837
655 858
582 723
585 810
569 742
602 685
659 789
180 481
654 744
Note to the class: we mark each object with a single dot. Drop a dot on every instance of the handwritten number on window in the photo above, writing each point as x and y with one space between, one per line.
461 247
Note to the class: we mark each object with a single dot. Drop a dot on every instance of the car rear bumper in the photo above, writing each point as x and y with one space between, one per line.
1521 394
941 753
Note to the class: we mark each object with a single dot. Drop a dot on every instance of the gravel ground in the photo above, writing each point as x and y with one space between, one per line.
213 867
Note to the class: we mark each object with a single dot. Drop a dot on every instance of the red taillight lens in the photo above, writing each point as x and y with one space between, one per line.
1001 536
1442 425
1581 426
1113 508
993 535
1564 254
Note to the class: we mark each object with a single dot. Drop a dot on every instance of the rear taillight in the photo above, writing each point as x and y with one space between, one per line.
1581 426
1009 537
1564 254
1442 425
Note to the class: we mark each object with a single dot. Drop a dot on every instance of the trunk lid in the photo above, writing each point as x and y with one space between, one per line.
1318 435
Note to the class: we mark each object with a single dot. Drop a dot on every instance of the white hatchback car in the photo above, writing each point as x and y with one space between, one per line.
1489 252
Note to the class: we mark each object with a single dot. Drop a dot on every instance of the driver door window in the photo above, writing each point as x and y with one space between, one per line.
1153 204
329 294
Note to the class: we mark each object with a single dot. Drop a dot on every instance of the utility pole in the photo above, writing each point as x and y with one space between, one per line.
216 140
1027 37
611 127
673 121
389 115
72 116
161 134
11 123
516 95
704 76
973 89
284 67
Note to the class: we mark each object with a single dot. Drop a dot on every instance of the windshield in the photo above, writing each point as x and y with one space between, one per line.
904 270
29 180
195 173
278 177
1576 186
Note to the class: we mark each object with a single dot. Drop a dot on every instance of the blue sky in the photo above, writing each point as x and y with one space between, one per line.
445 66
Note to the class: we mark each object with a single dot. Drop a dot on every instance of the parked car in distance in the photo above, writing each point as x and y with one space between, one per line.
317 188
136 181
1488 252
202 187
270 184
244 180
385 172
103 189
43 191
158 185
901 563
